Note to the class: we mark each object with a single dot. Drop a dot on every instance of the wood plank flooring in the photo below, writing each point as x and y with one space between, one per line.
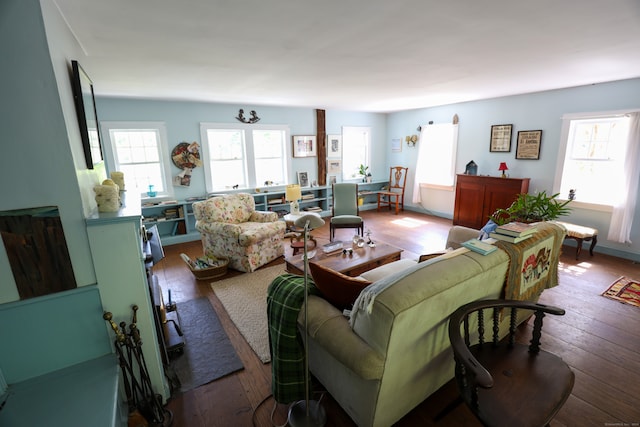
598 337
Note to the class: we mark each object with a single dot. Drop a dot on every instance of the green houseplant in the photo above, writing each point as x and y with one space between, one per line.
532 208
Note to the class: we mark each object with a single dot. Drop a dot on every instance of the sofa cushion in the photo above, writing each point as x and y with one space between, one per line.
337 288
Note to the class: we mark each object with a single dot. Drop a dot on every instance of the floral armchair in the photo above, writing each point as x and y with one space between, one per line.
231 227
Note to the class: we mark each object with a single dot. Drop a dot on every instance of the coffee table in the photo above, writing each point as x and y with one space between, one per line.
363 259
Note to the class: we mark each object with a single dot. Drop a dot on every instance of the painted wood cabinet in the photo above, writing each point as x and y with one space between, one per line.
477 197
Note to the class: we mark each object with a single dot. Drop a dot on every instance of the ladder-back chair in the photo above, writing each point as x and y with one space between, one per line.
395 194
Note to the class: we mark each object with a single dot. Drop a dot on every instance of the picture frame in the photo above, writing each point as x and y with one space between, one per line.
303 179
304 146
332 179
334 146
334 166
500 141
84 99
528 147
396 145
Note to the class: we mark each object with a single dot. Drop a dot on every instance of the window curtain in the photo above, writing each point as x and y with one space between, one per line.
436 157
623 211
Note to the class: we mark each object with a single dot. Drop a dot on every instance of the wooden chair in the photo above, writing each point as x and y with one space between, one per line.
505 383
344 210
395 193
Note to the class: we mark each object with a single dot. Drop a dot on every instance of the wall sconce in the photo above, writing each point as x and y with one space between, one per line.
503 167
411 140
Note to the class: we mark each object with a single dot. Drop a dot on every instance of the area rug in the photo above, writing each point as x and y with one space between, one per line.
624 290
245 299
208 352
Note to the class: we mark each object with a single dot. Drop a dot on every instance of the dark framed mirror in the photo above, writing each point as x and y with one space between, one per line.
87 115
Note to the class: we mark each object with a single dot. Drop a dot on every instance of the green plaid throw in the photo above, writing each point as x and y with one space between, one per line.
285 298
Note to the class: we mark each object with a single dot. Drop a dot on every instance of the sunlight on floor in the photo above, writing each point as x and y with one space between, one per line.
575 270
409 222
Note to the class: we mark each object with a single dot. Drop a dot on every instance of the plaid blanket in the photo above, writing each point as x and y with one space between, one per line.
285 298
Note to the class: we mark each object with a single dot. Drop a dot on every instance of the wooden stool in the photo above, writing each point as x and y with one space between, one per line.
297 243
580 234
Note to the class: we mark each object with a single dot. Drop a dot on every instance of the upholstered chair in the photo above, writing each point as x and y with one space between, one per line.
231 227
345 212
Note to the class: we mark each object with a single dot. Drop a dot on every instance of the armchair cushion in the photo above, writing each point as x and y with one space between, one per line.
346 219
337 288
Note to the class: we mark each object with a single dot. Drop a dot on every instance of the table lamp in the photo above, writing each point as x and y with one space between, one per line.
307 412
292 195
503 167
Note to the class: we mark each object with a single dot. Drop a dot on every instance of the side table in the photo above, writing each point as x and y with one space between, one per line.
297 240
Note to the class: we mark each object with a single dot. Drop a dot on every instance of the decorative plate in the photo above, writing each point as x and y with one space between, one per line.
185 159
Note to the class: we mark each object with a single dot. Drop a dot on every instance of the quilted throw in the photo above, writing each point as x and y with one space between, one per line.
534 262
285 298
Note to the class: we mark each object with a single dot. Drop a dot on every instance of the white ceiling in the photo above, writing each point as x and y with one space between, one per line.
366 55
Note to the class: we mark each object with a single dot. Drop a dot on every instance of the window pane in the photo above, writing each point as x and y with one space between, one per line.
355 150
226 174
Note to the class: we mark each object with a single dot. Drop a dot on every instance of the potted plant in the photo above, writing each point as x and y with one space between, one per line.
366 176
532 208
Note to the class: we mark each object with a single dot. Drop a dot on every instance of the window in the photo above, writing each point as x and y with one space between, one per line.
593 151
244 156
356 146
137 149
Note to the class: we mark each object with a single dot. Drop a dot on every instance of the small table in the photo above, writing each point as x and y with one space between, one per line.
363 259
297 241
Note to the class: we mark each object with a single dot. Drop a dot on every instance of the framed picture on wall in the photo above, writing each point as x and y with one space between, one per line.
396 145
528 147
303 179
334 146
500 138
334 166
304 146
332 179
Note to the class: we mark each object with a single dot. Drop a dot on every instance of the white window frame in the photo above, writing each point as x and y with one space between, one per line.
160 128
249 158
347 174
563 155
437 156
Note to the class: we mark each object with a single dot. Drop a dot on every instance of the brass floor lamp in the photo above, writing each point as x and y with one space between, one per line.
307 412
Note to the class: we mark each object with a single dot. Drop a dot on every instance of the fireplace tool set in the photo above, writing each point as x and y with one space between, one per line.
145 407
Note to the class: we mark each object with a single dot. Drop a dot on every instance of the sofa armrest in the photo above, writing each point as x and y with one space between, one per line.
329 328
263 216
459 234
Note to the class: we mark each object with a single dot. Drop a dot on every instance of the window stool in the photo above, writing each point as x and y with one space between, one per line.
580 233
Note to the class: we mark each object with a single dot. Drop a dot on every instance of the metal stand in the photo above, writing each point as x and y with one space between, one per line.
307 412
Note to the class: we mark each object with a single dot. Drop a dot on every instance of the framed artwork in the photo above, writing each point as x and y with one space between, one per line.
304 146
334 146
528 147
396 145
332 179
500 138
334 166
87 115
303 179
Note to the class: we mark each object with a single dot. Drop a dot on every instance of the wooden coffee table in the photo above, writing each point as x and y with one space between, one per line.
363 259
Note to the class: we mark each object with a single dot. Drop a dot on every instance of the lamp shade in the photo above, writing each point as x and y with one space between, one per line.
314 221
503 167
293 193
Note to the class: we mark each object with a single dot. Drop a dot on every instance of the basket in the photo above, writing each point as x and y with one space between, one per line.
211 272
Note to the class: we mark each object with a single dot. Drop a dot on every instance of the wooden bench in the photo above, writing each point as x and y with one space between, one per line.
580 233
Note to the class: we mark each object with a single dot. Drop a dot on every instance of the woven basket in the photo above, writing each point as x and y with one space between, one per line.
211 272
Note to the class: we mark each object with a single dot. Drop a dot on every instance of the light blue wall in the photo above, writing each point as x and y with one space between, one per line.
542 110
183 120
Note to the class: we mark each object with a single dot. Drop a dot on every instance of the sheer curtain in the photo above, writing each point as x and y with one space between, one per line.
436 157
623 212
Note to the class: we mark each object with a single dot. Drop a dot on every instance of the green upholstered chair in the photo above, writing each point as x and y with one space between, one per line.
345 212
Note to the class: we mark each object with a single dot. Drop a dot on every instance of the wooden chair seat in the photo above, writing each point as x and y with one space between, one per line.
505 383
394 196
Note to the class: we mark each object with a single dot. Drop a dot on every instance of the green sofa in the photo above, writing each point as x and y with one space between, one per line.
394 351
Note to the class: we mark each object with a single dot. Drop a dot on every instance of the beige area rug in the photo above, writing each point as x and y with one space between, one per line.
245 299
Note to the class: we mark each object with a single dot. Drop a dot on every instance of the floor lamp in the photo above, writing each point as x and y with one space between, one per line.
307 412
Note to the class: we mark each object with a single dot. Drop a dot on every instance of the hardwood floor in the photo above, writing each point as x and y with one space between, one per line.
598 337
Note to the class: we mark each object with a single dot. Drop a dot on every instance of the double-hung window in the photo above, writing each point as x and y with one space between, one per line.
356 149
244 156
137 150
594 153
